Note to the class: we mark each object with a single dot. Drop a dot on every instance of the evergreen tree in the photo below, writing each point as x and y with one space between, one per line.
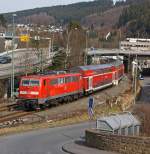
136 18
2 21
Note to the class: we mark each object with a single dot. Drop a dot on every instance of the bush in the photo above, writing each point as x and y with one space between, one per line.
143 112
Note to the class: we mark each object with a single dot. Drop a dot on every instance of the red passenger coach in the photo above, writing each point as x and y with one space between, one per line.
39 90
96 77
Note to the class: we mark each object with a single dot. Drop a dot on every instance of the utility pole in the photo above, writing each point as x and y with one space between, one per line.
37 39
134 73
50 48
13 47
86 51
27 55
136 67
135 80
67 47
129 57
52 42
41 59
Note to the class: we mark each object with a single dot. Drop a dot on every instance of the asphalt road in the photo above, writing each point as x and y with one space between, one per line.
24 60
45 141
145 92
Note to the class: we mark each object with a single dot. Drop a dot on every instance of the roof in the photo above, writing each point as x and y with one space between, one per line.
120 120
94 67
50 76
117 63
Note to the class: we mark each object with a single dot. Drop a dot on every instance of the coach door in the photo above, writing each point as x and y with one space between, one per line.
90 83
113 76
45 88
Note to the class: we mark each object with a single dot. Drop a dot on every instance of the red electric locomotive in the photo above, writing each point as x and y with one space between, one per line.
41 90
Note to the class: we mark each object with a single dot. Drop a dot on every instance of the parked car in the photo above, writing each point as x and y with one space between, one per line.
5 59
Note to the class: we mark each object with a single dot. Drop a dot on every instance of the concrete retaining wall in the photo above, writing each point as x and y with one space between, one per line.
120 144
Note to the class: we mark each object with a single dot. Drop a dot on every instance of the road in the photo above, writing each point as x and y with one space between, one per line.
145 93
24 60
46 141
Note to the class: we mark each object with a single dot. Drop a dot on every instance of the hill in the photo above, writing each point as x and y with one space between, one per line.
63 13
133 16
136 19
105 19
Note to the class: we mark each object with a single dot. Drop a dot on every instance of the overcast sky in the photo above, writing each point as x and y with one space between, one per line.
15 5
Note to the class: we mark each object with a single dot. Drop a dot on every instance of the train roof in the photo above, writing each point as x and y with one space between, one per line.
92 67
50 76
117 63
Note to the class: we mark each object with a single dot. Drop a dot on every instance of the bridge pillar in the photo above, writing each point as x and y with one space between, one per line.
3 89
127 60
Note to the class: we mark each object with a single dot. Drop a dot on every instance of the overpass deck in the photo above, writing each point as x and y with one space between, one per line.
117 52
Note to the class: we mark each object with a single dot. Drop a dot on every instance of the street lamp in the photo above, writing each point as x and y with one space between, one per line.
68 41
86 50
13 47
68 46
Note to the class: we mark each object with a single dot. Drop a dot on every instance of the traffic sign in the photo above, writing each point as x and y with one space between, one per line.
24 38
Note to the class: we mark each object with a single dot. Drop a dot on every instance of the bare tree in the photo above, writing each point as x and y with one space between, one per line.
75 44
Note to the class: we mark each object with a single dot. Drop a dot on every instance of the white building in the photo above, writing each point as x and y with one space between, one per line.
135 44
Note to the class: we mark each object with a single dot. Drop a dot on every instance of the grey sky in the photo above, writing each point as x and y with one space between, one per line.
15 5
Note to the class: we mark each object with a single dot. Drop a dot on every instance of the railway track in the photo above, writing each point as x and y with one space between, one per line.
7 107
13 116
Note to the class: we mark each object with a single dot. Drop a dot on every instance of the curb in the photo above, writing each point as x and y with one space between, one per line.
65 149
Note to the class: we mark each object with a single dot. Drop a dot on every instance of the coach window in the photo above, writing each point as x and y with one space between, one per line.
99 71
34 82
109 70
74 79
25 82
67 79
104 70
60 80
54 82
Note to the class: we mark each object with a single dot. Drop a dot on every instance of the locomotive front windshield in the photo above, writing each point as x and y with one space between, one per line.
30 82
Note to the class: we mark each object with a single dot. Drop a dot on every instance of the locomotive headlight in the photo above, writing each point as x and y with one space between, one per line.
23 92
34 92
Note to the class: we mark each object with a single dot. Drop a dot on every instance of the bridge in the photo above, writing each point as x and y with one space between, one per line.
126 55
109 52
27 60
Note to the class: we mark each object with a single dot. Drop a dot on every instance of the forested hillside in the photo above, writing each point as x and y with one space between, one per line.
2 21
65 13
136 19
133 16
106 19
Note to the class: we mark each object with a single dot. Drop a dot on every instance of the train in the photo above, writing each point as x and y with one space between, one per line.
39 91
